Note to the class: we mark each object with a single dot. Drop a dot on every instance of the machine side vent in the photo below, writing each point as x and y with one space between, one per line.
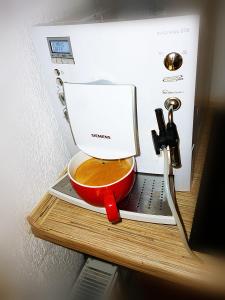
95 281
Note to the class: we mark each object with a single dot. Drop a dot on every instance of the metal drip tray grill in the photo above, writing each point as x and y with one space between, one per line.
146 202
147 196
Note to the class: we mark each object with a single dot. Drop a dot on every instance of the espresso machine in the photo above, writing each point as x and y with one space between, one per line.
112 83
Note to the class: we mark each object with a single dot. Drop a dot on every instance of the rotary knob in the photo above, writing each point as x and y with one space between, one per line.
57 72
173 61
59 81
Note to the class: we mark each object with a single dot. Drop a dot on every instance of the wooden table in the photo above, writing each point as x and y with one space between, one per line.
150 248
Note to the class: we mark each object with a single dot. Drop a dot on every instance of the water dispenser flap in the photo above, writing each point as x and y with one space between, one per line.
103 119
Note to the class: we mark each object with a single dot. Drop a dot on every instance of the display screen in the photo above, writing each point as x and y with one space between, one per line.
60 46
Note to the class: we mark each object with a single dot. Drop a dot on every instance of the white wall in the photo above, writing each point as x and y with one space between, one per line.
218 76
32 152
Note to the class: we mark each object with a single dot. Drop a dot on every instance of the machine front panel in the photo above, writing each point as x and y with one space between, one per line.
132 53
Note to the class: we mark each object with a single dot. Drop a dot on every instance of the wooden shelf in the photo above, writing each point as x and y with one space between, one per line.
149 248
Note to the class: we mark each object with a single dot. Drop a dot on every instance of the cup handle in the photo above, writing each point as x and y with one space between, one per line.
111 208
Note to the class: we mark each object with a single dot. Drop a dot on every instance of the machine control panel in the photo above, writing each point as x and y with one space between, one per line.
173 61
60 50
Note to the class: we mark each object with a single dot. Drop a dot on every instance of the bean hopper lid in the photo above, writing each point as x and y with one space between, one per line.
102 119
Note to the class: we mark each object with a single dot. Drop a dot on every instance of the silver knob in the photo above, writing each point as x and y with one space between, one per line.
59 81
172 101
57 72
173 61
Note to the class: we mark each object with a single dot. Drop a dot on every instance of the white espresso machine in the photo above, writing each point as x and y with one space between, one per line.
105 79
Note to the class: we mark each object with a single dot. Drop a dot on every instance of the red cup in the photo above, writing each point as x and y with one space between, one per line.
106 195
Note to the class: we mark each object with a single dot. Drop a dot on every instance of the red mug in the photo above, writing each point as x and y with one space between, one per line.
106 195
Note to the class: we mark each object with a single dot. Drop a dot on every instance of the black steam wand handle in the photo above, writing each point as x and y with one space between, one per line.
174 144
168 136
160 140
160 121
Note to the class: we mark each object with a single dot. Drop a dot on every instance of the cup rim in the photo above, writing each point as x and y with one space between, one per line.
99 186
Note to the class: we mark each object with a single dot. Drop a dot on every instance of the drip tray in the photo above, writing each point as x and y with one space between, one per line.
146 202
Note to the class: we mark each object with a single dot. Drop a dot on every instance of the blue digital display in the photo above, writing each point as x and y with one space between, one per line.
62 47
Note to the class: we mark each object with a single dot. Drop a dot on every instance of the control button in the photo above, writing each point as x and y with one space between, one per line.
57 72
70 61
64 61
174 101
173 61
54 60
67 61
58 60
59 81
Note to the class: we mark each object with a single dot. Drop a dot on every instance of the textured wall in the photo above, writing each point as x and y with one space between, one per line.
218 78
32 152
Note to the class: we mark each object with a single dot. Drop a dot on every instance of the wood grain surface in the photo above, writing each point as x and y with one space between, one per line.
149 248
